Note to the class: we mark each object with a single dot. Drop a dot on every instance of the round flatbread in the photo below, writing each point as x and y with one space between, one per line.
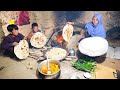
38 40
67 32
93 46
56 53
22 49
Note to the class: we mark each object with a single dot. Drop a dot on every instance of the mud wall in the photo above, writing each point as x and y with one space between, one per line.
49 21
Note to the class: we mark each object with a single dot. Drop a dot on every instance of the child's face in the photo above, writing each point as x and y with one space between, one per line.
14 32
35 28
94 20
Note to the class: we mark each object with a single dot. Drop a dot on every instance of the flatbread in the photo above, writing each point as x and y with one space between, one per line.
56 53
67 32
93 46
22 49
38 40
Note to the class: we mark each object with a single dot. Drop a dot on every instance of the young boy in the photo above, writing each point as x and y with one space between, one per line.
34 30
11 40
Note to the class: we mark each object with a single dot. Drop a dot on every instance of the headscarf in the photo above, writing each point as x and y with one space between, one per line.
96 30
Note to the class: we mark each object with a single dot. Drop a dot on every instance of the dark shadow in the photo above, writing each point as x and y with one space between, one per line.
113 33
113 36
15 59
19 60
61 17
2 35
1 52
76 32
37 74
98 59
12 57
72 15
80 55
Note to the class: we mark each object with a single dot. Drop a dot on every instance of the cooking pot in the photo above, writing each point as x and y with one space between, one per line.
49 76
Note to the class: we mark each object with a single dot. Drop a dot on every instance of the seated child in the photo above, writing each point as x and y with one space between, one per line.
34 30
11 40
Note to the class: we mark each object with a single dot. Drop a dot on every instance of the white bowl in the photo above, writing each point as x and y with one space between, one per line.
87 75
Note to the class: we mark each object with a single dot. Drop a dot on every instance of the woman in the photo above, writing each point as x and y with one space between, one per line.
91 29
94 28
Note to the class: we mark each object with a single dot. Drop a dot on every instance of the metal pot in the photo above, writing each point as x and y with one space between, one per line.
51 76
71 52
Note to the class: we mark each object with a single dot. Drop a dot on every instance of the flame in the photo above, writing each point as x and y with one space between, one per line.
60 39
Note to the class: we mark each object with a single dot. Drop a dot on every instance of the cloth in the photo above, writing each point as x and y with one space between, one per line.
96 30
23 18
8 40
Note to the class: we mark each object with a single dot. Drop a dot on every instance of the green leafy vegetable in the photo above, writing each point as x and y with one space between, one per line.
85 65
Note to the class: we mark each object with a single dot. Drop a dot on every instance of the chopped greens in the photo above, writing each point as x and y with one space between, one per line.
85 65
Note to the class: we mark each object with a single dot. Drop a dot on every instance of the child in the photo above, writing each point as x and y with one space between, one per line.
34 30
11 40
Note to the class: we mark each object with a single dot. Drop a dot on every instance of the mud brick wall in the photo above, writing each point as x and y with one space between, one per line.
55 20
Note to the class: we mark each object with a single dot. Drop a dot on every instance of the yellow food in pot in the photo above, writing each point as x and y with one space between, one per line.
53 67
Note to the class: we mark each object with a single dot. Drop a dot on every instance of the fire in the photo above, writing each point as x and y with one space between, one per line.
60 39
